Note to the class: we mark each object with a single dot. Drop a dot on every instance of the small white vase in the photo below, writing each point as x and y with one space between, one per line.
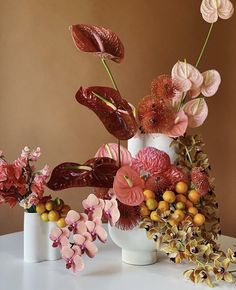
156 140
37 246
137 249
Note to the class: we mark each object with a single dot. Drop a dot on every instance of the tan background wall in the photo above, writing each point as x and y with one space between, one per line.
40 71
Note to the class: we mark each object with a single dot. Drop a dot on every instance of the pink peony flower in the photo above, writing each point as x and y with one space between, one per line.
128 186
111 211
151 160
212 9
76 222
111 150
96 230
59 237
85 244
73 259
93 206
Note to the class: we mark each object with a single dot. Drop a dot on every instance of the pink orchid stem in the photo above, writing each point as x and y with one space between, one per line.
204 45
116 88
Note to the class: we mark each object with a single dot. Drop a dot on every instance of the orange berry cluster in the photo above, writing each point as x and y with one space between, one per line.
182 202
53 211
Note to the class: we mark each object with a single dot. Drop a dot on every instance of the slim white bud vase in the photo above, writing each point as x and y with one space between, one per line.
37 246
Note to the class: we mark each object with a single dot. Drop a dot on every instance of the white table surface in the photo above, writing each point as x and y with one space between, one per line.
105 271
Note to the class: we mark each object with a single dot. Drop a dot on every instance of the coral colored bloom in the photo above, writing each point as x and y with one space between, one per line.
111 211
164 87
73 259
93 206
76 222
151 160
111 150
212 9
96 230
85 244
59 237
128 186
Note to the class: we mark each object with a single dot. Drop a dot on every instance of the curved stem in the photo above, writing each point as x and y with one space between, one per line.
204 45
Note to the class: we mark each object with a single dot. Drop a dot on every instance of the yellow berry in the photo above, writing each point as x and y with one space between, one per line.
199 219
144 211
40 208
192 210
178 215
44 217
180 205
61 223
181 187
151 204
181 197
177 259
154 216
148 194
53 216
163 205
50 205
172 222
169 196
194 196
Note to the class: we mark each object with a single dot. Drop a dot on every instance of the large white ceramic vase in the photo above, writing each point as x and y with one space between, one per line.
137 249
37 245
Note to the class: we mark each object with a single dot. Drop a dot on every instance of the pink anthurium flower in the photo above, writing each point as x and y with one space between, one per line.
111 150
211 82
85 243
93 206
99 40
76 222
73 259
59 237
197 111
111 211
128 186
96 230
180 125
212 9
187 76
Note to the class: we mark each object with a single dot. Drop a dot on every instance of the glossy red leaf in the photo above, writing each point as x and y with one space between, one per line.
96 172
99 40
114 111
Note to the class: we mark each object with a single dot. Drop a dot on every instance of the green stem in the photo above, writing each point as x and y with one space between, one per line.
109 74
233 271
116 88
204 45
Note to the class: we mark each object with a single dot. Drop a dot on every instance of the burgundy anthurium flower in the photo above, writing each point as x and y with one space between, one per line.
96 172
114 111
99 40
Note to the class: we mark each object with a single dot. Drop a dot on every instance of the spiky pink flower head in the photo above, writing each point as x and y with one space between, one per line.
151 160
200 180
164 87
158 183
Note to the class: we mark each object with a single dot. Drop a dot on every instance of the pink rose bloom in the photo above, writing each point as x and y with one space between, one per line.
59 237
73 259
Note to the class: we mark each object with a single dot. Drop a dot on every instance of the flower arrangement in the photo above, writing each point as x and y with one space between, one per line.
175 203
21 183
